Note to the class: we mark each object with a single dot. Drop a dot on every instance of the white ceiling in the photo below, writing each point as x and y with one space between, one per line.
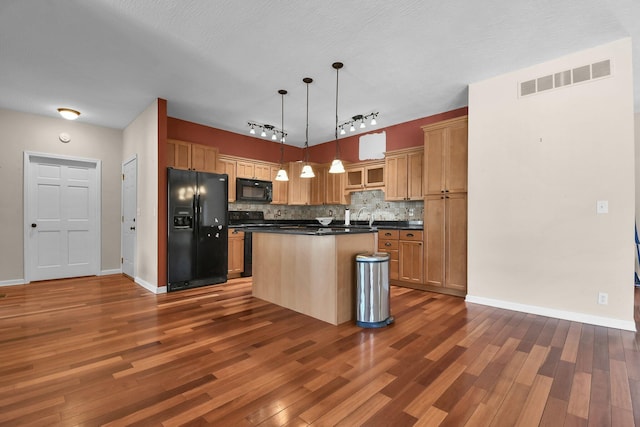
221 63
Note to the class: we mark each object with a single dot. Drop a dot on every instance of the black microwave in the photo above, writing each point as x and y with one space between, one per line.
253 190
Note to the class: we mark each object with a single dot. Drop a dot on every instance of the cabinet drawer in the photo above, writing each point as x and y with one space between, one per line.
411 235
388 234
388 245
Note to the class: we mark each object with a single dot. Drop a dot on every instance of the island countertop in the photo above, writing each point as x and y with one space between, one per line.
309 230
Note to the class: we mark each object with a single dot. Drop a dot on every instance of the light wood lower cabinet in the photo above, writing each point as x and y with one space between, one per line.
405 249
236 253
411 256
445 254
388 242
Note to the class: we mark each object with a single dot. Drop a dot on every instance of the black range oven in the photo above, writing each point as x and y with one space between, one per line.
239 219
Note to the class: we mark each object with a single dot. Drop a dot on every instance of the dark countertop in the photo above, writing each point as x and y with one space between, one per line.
309 230
337 224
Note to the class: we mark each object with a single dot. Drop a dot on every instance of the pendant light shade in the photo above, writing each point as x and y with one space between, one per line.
307 171
336 165
282 173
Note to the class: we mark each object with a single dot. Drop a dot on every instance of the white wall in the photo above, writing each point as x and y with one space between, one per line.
537 166
29 132
141 139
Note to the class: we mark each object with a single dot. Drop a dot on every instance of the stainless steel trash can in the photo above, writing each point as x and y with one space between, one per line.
372 294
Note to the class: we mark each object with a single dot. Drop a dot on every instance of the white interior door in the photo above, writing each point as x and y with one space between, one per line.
129 212
62 237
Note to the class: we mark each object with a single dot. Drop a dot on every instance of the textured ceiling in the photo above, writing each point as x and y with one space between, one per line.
221 63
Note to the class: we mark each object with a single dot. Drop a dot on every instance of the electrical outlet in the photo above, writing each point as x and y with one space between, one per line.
411 212
603 298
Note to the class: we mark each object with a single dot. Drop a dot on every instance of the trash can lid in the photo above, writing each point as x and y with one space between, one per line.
373 257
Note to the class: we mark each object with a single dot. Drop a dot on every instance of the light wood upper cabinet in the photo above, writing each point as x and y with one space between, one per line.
318 185
228 166
365 175
244 169
190 156
299 188
335 189
445 150
403 174
262 171
280 188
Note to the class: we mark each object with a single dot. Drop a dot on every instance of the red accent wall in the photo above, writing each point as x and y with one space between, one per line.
230 143
162 192
403 135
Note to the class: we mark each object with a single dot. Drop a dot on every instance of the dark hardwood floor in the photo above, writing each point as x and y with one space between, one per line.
103 351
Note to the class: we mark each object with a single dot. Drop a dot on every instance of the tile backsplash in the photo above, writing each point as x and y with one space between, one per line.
363 203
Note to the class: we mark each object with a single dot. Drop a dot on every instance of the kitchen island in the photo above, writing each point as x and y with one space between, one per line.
310 270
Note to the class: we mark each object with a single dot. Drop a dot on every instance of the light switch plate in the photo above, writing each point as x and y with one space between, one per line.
602 206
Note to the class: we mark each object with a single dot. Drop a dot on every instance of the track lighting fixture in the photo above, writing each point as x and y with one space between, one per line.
266 129
359 118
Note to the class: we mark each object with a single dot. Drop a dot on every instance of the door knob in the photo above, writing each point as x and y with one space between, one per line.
34 225
132 228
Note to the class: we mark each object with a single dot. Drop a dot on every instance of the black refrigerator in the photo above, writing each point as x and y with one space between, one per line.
197 229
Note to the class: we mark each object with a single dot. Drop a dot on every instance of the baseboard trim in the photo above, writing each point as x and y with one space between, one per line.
149 287
12 282
110 271
558 314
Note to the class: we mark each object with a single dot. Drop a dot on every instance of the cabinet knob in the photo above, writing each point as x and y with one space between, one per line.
387 234
387 244
409 234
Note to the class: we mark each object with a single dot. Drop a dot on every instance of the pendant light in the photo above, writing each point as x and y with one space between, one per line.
307 171
282 173
336 165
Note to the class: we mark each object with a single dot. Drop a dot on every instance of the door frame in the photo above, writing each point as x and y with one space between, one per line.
122 231
28 157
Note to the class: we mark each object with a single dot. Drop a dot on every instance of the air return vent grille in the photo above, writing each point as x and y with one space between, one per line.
566 78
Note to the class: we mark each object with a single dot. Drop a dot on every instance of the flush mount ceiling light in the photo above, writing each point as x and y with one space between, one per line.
282 173
68 113
336 165
307 171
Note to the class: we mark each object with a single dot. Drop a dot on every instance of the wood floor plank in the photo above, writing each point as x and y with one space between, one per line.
104 351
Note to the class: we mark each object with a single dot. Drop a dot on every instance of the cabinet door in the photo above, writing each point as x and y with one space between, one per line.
229 167
335 191
236 253
434 153
262 171
434 233
395 186
203 158
318 185
244 169
354 179
178 154
455 158
411 255
374 176
456 241
280 188
415 167
299 189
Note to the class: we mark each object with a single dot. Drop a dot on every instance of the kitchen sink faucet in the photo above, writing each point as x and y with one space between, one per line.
370 215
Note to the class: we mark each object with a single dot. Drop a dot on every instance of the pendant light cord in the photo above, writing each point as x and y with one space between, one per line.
336 130
306 140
